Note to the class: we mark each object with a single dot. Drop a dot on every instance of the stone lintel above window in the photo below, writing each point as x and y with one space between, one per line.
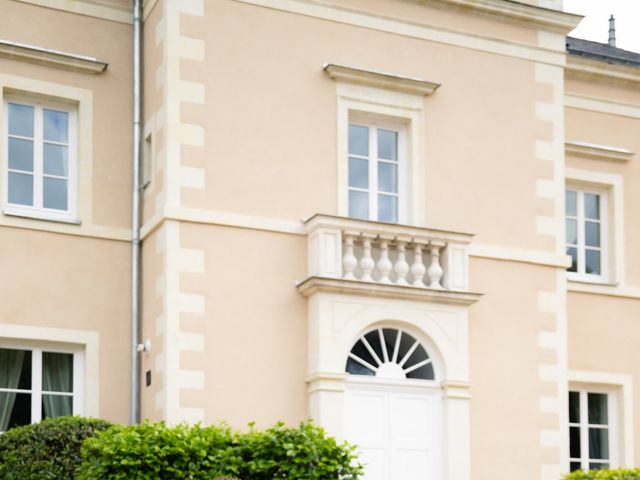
383 80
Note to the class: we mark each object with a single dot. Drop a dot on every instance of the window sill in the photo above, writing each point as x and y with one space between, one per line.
38 215
610 289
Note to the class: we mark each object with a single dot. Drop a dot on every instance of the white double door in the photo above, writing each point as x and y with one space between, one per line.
398 430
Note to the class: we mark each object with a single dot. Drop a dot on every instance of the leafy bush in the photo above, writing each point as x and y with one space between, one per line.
152 451
50 449
620 474
305 452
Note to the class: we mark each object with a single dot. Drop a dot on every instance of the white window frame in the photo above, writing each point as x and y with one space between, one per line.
373 126
581 274
613 186
372 104
37 210
583 425
36 391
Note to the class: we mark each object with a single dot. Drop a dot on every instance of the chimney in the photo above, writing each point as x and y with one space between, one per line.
612 31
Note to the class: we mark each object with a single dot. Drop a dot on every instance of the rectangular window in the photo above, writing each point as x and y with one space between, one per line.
590 430
37 383
41 165
586 213
375 177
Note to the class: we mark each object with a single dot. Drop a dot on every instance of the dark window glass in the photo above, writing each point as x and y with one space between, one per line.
356 368
597 406
574 466
599 443
360 351
598 466
374 342
574 407
423 373
574 442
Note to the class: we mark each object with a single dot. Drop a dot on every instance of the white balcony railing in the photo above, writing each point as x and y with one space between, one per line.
387 254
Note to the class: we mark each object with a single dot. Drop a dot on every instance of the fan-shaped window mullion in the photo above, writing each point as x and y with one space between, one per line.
390 353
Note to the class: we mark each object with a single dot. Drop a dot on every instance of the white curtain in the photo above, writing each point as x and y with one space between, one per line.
10 368
57 376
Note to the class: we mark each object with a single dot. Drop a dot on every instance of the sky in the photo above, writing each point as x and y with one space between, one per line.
595 25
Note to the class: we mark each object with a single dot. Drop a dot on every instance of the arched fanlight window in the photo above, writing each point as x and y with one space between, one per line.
390 353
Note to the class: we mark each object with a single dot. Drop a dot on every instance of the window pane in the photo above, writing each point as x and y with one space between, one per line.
20 120
388 177
423 373
16 411
373 338
387 208
571 203
356 368
598 466
387 144
574 407
358 204
574 442
55 160
573 253
592 234
572 231
358 173
55 193
21 154
55 126
20 188
592 206
56 406
359 140
57 372
574 466
597 406
15 369
599 443
360 351
592 262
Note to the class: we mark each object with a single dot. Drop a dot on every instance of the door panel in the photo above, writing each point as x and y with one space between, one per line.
397 433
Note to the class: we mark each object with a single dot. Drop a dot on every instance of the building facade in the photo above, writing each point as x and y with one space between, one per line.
412 221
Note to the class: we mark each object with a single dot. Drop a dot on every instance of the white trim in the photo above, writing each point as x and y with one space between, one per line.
601 105
86 340
51 58
598 70
599 152
413 29
388 81
624 384
604 289
614 231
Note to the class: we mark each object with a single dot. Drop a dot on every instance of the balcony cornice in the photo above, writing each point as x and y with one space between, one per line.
320 220
314 285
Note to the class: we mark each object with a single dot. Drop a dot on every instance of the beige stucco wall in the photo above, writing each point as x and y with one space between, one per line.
76 277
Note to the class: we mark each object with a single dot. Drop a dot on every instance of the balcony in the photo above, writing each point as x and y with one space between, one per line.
346 255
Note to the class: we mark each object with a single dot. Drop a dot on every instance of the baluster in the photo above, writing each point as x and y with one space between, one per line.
401 267
349 260
384 265
366 262
417 268
435 271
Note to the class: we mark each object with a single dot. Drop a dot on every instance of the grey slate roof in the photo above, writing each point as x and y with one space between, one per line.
602 51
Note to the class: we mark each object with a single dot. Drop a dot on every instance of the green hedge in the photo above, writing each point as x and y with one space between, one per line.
620 474
154 451
50 449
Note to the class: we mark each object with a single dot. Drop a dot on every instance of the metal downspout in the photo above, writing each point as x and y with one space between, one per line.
135 215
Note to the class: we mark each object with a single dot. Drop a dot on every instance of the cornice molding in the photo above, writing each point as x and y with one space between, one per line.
313 285
387 81
591 69
51 58
599 152
520 12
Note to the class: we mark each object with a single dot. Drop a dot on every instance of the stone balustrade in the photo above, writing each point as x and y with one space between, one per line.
387 254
